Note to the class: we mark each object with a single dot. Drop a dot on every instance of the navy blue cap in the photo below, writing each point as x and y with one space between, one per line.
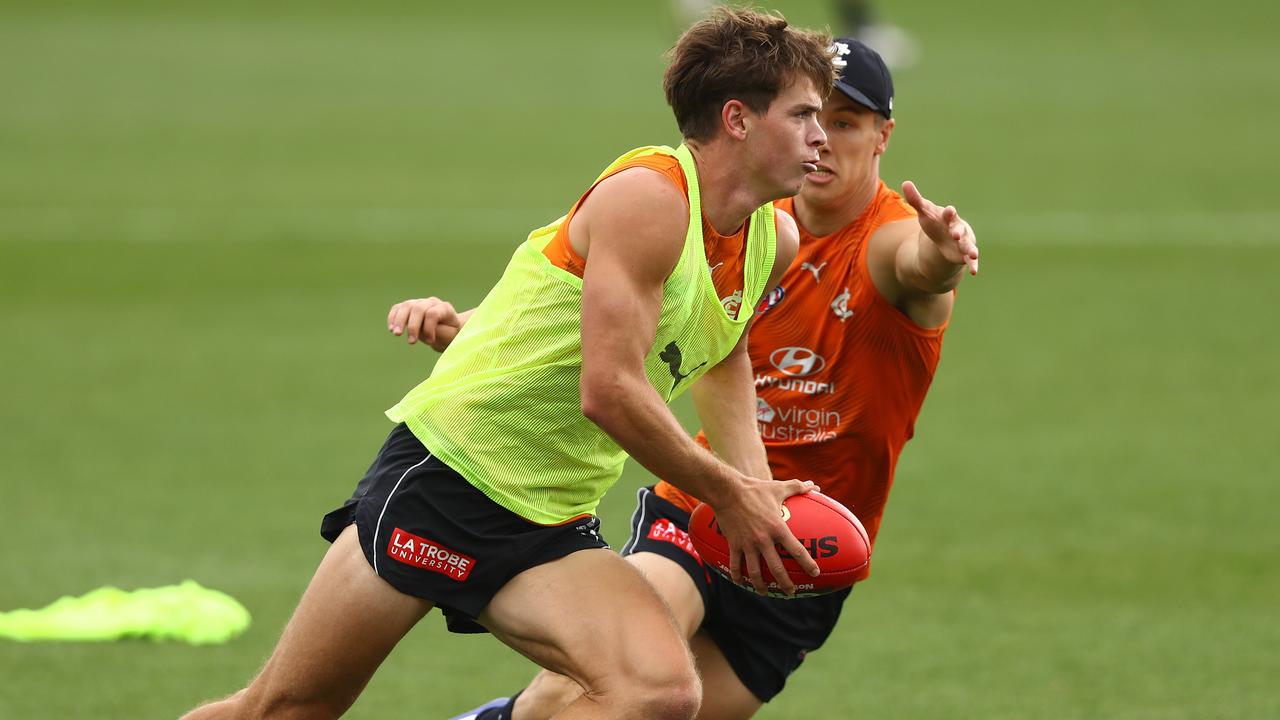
864 78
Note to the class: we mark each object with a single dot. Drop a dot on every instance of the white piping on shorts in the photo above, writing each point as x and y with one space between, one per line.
378 527
638 515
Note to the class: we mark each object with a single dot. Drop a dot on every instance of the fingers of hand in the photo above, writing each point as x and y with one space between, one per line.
955 225
399 316
415 322
928 212
441 315
795 487
420 317
968 247
753 571
912 195
784 537
909 191
735 564
779 571
797 551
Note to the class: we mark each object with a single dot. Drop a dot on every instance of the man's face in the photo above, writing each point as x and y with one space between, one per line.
786 138
856 136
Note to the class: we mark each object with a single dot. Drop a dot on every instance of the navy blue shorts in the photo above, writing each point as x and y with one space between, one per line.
764 639
431 534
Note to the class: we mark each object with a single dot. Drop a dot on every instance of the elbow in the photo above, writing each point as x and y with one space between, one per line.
933 284
942 287
599 401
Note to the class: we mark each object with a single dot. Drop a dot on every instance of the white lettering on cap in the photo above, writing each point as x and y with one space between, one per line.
840 49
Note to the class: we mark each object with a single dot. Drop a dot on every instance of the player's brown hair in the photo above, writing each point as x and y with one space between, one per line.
740 54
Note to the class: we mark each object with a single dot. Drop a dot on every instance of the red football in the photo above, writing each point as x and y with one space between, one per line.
829 532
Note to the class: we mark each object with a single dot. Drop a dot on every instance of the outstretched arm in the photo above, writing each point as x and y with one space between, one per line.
916 263
934 260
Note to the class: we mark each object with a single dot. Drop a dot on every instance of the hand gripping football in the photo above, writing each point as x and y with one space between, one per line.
827 530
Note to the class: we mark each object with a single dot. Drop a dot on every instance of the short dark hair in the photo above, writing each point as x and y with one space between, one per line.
742 54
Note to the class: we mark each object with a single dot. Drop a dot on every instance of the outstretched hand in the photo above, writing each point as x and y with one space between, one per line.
951 234
431 320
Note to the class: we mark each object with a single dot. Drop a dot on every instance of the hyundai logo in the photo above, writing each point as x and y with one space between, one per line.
797 361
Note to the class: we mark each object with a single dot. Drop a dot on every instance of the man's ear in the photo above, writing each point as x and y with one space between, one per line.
734 119
885 130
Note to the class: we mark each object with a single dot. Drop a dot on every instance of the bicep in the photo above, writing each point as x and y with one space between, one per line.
891 258
636 229
620 308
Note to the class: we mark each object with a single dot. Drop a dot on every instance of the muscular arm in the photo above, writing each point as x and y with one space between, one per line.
633 227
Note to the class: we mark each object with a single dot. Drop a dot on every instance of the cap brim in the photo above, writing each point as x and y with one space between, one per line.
857 96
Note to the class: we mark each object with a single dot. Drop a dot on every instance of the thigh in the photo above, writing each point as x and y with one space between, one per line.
661 549
347 622
550 692
672 583
591 617
724 697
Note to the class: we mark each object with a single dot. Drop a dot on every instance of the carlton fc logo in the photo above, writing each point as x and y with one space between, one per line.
840 306
797 361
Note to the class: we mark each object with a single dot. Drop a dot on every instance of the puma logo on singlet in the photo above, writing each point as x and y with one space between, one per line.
672 356
815 270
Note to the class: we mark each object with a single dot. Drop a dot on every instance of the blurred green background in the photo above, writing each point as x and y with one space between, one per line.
205 211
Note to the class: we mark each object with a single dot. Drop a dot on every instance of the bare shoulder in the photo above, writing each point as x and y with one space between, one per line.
788 230
885 241
887 238
882 253
788 243
637 212
638 194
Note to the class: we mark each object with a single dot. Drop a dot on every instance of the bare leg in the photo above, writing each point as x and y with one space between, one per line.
347 622
550 692
725 697
592 618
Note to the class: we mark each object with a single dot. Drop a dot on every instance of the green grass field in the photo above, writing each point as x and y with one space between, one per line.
205 213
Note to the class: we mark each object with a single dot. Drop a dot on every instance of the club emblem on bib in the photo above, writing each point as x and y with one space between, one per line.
840 306
732 303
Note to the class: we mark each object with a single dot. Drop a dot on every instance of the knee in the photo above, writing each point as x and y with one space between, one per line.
675 695
546 695
679 701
